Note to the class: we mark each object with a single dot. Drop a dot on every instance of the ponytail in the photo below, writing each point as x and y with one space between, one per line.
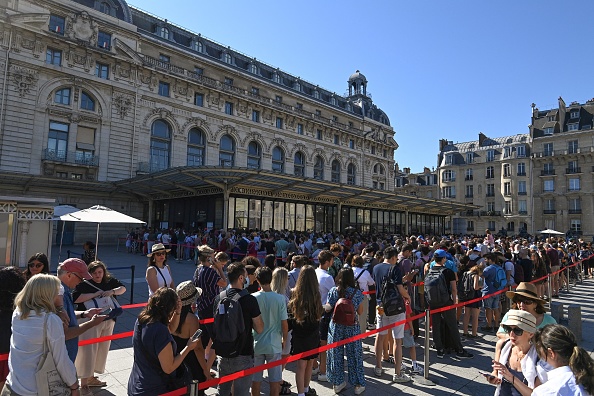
582 366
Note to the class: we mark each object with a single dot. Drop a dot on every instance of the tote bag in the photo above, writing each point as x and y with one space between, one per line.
105 303
47 376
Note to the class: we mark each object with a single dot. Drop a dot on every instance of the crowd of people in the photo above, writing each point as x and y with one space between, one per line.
257 298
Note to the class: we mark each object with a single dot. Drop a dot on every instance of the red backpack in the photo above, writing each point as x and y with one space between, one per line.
344 311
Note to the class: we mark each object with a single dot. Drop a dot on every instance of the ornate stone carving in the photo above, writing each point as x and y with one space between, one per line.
35 214
198 122
24 79
319 152
278 142
8 207
226 129
165 114
122 104
81 27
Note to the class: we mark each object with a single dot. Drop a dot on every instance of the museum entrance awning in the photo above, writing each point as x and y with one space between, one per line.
197 181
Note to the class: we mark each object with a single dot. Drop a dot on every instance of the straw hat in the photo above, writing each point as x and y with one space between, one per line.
523 319
188 293
157 247
527 290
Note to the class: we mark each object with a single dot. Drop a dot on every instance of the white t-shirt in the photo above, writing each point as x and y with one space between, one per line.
509 266
326 283
561 382
365 280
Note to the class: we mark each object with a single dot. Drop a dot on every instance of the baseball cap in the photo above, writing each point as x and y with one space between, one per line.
76 266
440 253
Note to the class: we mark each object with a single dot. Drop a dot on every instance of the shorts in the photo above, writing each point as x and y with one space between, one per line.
492 302
555 268
408 341
325 325
287 348
397 331
275 374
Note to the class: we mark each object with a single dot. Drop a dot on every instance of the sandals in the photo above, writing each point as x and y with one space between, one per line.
285 388
390 359
95 382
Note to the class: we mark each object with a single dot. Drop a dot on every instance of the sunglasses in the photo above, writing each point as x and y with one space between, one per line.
160 254
36 265
524 301
78 276
516 330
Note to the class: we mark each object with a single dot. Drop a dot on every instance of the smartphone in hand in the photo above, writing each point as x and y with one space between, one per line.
487 375
197 335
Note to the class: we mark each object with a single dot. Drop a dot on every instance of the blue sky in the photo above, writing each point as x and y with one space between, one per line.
439 69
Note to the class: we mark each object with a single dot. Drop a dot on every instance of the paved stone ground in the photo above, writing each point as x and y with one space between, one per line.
451 376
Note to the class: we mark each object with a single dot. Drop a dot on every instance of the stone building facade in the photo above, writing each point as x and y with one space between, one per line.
102 103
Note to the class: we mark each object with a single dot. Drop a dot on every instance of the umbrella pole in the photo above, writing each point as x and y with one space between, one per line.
61 240
97 241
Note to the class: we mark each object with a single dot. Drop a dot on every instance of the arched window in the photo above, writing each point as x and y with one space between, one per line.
351 174
299 164
198 46
105 8
62 96
160 145
164 32
278 160
378 169
254 155
336 171
319 168
196 147
227 151
227 57
253 68
86 102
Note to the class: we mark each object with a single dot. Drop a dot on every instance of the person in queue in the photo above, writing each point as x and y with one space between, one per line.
238 280
92 358
346 288
37 264
364 280
525 297
325 282
33 305
188 324
158 273
305 312
12 281
155 351
72 272
515 363
573 367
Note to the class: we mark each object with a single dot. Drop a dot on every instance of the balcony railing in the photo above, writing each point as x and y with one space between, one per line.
147 167
521 173
575 211
507 194
570 171
523 212
469 196
547 172
449 179
490 194
490 213
70 157
549 211
522 193
468 177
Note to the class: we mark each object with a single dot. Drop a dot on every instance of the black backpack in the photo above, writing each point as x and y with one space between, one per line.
229 335
392 301
518 272
437 293
466 287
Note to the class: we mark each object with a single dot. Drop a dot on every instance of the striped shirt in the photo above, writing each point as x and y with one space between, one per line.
206 278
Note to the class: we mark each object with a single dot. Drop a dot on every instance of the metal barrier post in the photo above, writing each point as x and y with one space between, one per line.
193 388
132 268
550 284
425 379
510 300
567 276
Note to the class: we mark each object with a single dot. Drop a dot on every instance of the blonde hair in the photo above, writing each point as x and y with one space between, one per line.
37 295
280 279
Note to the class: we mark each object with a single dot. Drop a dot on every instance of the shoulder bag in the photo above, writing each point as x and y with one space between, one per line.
49 381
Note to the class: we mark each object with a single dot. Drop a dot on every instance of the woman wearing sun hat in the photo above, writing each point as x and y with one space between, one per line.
188 324
525 297
515 362
158 273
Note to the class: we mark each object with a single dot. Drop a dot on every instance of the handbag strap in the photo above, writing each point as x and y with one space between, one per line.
45 342
115 301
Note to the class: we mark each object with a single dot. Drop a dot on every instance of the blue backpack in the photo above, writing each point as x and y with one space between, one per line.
500 277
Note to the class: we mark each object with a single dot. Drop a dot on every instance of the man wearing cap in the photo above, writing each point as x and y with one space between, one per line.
492 304
72 272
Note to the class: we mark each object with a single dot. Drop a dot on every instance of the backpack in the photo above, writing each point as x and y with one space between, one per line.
437 293
518 272
229 333
223 245
466 287
391 299
500 278
344 311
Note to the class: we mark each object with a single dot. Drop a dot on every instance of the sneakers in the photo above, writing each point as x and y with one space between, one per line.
315 371
311 392
359 389
377 371
339 388
401 378
417 369
464 355
402 367
441 354
322 377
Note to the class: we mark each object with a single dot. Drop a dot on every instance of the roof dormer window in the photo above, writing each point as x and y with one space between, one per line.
164 32
574 113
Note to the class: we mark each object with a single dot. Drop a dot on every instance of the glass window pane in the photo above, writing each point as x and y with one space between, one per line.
300 215
290 216
267 211
309 217
231 213
241 212
255 206
279 216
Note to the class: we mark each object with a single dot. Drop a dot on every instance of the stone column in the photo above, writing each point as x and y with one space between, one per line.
338 224
151 204
24 238
225 207
405 222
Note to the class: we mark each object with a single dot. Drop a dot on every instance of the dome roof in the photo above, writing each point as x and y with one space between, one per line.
357 76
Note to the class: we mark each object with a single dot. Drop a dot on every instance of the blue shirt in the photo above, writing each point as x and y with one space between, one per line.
380 272
71 344
489 274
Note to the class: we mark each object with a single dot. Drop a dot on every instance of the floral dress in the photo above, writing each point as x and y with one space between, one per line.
354 350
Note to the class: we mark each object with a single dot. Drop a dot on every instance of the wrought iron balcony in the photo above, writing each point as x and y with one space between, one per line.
70 157
575 211
521 173
549 211
570 171
523 212
468 177
547 172
490 213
